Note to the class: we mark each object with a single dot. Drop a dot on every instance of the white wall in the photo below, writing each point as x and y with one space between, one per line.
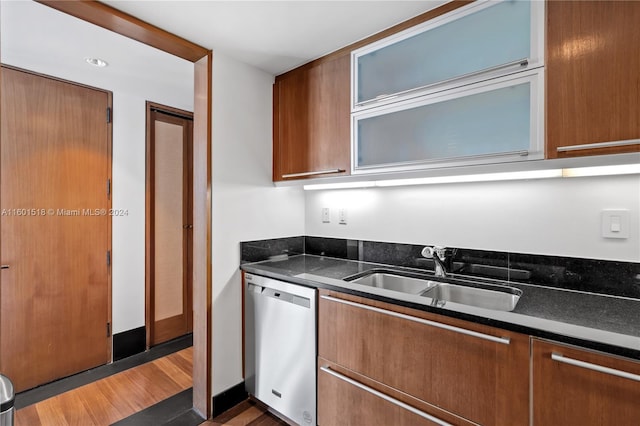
551 216
246 205
38 38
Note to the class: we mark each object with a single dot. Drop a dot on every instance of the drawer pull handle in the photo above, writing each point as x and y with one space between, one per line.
595 367
502 340
600 145
319 172
385 397
514 64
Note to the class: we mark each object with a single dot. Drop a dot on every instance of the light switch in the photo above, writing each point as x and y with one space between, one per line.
326 215
615 224
342 216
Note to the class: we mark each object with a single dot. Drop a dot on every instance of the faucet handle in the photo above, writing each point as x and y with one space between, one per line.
429 252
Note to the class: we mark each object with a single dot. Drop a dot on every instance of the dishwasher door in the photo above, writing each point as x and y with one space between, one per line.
280 347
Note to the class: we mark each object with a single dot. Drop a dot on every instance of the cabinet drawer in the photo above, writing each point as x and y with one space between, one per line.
473 371
346 398
577 387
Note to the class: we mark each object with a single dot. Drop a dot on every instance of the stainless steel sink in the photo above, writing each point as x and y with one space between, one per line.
499 298
480 294
392 281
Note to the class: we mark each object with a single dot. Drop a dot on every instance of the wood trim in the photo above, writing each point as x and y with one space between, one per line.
202 272
149 265
169 109
445 8
129 26
276 174
110 232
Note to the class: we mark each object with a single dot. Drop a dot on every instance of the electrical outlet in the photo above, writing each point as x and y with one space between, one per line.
342 216
326 215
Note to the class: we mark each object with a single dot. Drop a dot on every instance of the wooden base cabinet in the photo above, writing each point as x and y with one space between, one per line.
474 372
577 387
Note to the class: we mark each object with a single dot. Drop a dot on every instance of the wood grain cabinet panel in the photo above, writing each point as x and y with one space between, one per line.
481 380
593 77
569 394
311 121
346 398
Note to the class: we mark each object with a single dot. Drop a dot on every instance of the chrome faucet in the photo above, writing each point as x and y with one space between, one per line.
439 256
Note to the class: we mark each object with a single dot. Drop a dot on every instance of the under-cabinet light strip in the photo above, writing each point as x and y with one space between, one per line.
624 169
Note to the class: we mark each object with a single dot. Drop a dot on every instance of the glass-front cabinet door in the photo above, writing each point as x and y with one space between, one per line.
474 43
464 88
487 122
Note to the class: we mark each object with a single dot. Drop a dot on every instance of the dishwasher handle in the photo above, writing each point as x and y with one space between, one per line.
279 295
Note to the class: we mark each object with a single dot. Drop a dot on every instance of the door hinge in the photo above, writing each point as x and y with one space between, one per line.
108 258
108 114
108 329
108 189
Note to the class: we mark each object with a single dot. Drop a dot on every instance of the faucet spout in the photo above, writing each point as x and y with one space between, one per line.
439 256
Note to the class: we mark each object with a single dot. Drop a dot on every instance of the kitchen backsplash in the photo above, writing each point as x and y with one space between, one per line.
588 275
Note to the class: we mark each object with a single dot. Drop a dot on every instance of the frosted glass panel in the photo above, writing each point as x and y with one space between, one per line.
492 122
493 36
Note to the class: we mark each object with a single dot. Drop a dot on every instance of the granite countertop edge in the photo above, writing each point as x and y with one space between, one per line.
330 278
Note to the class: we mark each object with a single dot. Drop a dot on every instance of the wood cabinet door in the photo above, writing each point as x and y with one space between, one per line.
578 387
593 82
453 367
312 121
347 398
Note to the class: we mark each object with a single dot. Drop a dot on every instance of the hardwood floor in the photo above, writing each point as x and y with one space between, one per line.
247 413
115 397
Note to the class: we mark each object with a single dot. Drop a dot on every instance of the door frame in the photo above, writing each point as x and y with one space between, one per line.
149 218
129 26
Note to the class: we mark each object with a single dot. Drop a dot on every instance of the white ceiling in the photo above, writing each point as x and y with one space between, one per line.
39 38
275 36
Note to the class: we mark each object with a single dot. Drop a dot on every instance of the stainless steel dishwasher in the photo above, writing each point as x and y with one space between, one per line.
280 347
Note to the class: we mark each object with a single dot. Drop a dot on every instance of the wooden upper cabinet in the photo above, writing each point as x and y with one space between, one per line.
476 372
577 387
311 120
593 77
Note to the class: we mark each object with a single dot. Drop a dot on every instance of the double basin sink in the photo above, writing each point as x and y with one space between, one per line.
482 295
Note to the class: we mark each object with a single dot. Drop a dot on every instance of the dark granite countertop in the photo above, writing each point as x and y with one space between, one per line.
599 322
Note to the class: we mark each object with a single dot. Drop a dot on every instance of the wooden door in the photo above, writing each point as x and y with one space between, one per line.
581 388
55 156
170 226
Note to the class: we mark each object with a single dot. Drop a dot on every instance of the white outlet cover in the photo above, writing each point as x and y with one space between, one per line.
615 224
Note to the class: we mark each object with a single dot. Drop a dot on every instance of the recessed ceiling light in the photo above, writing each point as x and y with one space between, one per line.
96 62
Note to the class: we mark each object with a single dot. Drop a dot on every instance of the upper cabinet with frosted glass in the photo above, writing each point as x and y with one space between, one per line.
477 42
447 89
